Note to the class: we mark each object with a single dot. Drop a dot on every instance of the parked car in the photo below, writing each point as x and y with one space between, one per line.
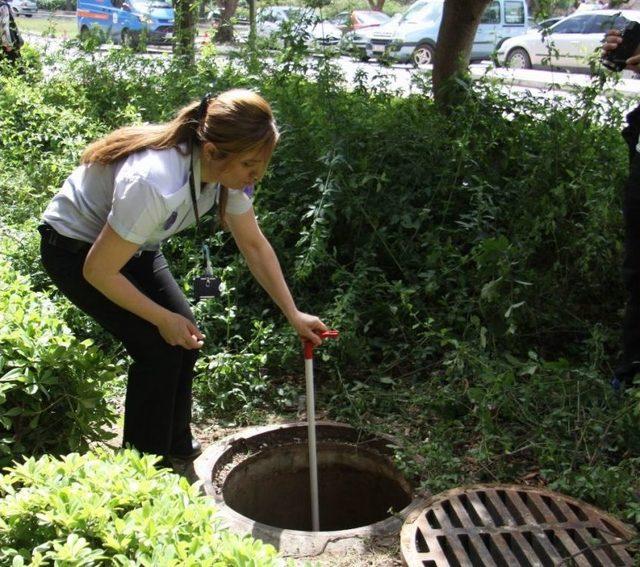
358 30
414 37
358 19
23 7
125 21
587 7
546 24
354 43
273 21
567 43
213 13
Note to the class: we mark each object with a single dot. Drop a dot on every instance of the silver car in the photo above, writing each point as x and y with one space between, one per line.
23 7
271 22
354 41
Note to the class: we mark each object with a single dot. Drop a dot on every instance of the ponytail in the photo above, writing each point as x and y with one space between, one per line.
130 139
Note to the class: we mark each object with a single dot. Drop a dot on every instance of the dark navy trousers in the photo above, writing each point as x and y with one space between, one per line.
158 400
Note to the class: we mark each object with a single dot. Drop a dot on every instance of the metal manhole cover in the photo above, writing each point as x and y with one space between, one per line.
508 526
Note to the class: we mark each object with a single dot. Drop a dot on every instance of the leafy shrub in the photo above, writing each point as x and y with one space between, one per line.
113 508
413 218
235 381
41 141
52 5
51 384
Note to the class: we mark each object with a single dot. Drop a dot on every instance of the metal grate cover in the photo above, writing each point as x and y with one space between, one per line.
509 526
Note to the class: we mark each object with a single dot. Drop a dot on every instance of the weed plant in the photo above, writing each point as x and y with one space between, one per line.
51 383
471 262
105 508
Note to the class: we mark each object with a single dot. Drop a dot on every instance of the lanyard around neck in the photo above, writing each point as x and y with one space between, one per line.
192 187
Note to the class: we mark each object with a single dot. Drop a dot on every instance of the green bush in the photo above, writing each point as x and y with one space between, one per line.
417 235
42 138
107 508
51 384
52 5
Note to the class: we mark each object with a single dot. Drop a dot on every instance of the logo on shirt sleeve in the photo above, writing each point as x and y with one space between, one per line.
170 221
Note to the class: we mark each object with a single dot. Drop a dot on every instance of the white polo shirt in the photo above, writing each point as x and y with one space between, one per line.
145 198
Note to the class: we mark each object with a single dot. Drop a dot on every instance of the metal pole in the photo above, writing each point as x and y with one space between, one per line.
313 455
311 425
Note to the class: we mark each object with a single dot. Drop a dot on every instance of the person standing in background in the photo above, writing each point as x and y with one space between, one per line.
629 365
9 34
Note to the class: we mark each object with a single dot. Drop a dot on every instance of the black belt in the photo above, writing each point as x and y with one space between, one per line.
50 236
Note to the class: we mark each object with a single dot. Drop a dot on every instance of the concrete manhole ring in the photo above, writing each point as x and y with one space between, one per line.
510 525
258 478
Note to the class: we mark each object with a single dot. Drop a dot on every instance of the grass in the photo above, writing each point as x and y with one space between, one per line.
50 27
65 27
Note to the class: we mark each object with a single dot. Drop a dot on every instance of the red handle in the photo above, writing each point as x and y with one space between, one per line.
308 345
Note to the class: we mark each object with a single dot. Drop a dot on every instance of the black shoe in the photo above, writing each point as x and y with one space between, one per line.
189 454
620 381
185 469
624 377
164 463
617 385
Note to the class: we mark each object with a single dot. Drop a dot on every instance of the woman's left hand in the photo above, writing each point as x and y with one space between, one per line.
305 325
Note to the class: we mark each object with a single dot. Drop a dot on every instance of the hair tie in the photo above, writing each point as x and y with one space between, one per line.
202 109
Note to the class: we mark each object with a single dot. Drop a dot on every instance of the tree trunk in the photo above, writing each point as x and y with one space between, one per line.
376 5
460 21
225 28
185 30
252 24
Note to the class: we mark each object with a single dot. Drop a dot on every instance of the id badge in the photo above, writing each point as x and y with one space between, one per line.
206 287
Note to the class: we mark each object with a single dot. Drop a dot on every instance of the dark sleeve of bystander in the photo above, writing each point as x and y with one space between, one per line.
631 132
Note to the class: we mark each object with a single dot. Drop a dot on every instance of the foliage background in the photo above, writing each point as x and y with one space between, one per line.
102 508
471 264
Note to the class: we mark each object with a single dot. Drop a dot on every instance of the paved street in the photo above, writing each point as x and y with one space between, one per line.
402 77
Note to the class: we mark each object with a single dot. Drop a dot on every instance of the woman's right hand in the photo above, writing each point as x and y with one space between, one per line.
612 39
102 269
179 331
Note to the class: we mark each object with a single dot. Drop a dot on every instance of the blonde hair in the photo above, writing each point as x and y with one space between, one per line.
235 122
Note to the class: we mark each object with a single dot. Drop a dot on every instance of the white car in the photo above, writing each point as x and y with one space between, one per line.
272 21
23 7
569 43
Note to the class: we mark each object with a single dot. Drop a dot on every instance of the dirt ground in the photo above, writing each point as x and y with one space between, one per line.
375 558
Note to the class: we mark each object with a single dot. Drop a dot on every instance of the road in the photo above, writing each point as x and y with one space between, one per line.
404 78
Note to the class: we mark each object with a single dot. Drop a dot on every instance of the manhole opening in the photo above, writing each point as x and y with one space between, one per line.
357 487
